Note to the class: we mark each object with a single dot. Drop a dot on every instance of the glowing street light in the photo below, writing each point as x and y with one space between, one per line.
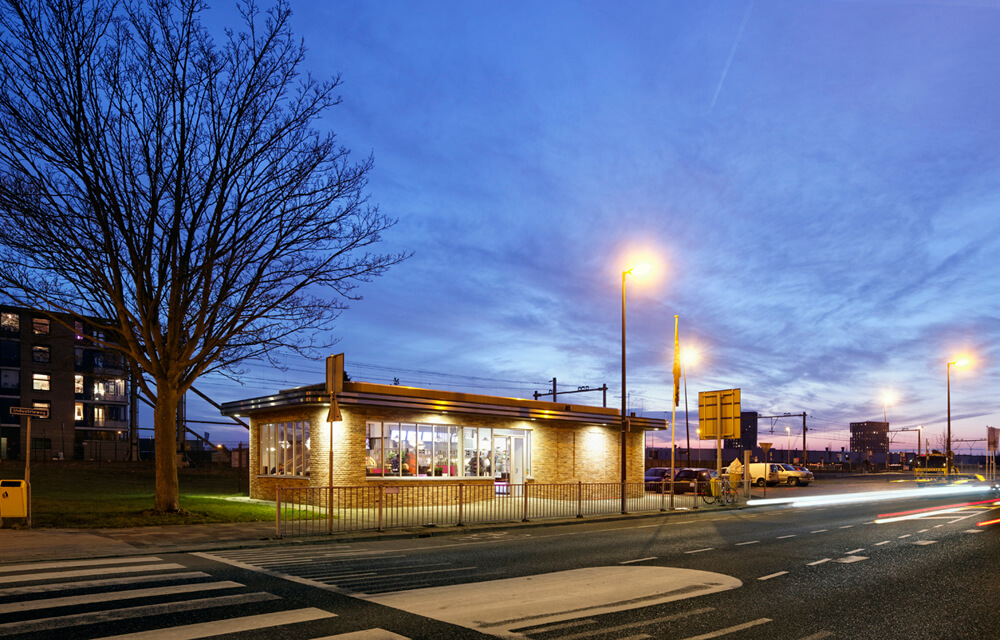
960 362
640 269
788 444
887 398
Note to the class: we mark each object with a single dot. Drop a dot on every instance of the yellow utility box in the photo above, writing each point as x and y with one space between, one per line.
13 499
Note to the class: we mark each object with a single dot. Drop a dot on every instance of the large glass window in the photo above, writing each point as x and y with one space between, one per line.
284 449
424 450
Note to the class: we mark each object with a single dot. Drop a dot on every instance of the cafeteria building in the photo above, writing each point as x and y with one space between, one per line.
395 435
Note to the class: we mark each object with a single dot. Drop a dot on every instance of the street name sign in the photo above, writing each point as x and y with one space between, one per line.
33 412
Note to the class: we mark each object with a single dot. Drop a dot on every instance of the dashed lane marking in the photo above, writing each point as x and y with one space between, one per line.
773 575
850 559
819 531
905 536
847 526
728 630
879 544
853 551
740 544
791 535
973 531
813 564
924 542
700 550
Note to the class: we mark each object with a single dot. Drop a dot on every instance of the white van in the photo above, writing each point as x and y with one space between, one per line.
762 473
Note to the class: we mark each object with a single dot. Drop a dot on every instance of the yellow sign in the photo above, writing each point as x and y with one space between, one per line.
719 409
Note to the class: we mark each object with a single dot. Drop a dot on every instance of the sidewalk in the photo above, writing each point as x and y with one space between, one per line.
32 545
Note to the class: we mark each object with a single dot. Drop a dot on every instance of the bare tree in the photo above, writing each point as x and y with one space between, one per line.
178 188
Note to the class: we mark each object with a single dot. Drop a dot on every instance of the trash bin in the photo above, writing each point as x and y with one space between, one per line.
13 499
716 487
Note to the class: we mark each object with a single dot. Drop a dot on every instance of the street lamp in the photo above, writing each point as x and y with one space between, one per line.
961 362
688 357
788 444
636 270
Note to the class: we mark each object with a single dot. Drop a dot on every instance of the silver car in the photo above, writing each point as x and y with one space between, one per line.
793 476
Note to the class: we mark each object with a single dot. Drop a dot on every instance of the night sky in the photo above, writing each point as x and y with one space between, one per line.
818 183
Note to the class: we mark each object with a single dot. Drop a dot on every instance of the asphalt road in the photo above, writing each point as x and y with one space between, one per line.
775 572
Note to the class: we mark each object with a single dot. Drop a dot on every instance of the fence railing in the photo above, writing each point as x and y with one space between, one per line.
319 510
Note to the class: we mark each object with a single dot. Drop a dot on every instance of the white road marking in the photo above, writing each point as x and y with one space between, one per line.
59 575
847 526
773 575
111 615
813 564
104 582
38 566
923 531
236 625
853 551
728 630
637 560
499 606
740 544
819 531
367 634
879 544
973 531
791 535
700 550
850 559
112 596
925 542
904 536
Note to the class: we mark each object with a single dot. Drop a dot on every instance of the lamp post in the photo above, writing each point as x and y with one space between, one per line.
688 356
961 362
637 270
788 444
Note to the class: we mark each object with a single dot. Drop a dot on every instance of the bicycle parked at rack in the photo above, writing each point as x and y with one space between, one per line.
726 495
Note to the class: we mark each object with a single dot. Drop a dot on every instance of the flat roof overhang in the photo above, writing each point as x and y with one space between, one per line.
434 401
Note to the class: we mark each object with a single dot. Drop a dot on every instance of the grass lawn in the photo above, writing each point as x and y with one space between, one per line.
85 495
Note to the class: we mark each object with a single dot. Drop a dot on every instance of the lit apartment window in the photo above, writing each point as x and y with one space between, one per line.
78 411
41 353
10 322
78 384
99 390
41 381
40 326
98 416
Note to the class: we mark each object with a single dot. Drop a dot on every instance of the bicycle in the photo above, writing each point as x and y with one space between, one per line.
727 495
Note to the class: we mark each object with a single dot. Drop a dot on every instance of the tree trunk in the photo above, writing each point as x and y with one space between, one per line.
165 429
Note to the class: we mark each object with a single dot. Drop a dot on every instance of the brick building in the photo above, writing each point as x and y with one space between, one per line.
54 361
392 435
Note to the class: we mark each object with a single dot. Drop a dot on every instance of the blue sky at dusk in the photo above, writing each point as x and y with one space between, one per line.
818 181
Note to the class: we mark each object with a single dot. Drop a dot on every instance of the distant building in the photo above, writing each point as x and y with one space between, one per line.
871 439
748 432
52 361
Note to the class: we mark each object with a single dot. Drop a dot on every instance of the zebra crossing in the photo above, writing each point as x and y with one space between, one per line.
148 598
349 570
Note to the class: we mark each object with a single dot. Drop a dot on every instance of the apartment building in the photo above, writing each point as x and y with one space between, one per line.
56 362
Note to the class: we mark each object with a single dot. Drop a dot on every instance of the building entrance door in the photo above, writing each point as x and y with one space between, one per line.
508 460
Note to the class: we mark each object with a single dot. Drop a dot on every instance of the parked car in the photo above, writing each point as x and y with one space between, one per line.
693 480
657 479
762 473
793 476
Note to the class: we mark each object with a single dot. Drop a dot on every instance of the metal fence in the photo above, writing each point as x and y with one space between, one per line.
327 510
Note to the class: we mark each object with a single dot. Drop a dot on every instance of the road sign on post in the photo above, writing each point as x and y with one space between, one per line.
719 407
29 411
